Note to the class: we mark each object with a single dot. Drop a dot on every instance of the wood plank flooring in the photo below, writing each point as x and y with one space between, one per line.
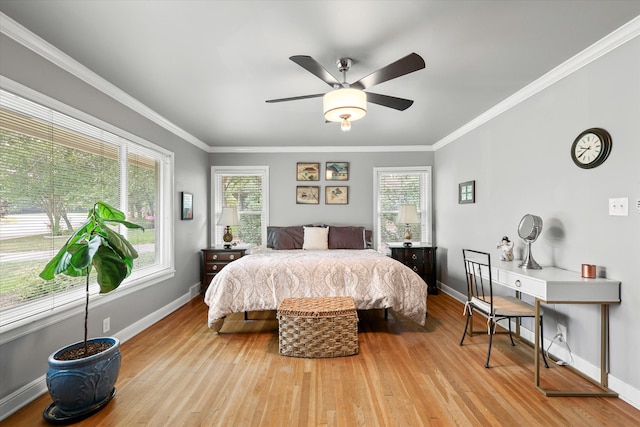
180 373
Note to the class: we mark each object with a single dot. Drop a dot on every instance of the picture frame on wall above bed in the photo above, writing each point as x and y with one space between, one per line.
336 195
337 171
308 171
307 195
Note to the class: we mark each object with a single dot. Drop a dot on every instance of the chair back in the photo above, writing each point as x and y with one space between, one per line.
477 266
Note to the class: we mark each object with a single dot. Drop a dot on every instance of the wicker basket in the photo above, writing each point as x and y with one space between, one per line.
318 327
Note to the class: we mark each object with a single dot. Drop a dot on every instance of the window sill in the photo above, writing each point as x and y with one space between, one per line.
48 318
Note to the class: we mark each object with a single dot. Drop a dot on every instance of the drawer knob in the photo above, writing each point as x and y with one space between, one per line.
215 267
215 256
415 268
231 256
414 256
518 284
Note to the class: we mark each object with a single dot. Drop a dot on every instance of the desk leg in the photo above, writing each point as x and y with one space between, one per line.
602 385
604 329
536 348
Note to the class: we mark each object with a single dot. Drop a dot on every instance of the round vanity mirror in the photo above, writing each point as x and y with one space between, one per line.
529 229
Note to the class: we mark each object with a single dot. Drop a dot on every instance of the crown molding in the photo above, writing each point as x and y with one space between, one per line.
31 41
323 149
605 45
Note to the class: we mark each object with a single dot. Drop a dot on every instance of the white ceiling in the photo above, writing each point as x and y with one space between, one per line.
208 66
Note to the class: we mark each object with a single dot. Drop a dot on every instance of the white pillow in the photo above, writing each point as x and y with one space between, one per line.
316 238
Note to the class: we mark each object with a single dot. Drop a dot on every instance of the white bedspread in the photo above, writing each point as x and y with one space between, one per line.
261 281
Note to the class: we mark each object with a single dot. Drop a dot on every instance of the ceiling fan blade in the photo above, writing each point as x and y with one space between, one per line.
408 64
400 104
314 67
295 98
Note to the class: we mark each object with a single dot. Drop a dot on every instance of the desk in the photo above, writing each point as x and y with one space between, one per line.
556 286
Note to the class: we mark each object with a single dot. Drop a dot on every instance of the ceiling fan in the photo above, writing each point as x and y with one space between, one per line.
348 102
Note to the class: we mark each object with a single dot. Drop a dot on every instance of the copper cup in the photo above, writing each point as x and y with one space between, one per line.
588 271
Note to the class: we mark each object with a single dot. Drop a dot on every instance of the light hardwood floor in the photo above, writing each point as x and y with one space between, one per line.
179 373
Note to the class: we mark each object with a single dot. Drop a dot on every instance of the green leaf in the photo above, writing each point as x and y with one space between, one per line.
125 223
79 255
120 244
108 212
112 270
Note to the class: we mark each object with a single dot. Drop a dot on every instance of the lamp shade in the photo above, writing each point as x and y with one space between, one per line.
341 104
408 215
229 217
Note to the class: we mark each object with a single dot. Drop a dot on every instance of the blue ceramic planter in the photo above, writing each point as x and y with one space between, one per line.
81 387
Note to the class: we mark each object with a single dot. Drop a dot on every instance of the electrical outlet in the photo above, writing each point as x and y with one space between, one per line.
562 330
619 206
106 325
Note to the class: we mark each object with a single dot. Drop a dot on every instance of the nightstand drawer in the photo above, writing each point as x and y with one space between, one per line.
222 256
214 267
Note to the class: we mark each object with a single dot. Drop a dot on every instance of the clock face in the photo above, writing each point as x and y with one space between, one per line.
588 148
591 148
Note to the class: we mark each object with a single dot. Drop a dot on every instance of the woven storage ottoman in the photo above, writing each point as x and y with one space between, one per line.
318 327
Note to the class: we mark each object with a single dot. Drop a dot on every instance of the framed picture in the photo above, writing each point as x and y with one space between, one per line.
307 171
337 171
338 195
467 192
187 205
307 195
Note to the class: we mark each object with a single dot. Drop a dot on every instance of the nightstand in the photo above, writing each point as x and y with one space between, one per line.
421 258
215 259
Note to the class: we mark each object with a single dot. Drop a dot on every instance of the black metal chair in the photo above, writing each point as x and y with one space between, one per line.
480 297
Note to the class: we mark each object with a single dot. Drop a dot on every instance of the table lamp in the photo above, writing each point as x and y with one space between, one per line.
408 215
228 218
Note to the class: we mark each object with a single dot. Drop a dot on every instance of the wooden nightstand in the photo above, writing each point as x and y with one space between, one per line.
421 258
215 259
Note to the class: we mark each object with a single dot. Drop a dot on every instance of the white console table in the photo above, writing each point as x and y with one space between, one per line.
556 286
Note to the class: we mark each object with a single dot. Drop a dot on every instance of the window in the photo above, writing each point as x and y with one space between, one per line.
53 168
401 186
246 188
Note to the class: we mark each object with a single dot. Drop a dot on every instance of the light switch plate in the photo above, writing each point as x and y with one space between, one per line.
619 206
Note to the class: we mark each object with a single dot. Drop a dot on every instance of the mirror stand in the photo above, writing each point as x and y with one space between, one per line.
528 262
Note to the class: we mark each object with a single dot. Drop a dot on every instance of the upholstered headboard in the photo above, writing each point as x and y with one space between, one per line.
339 237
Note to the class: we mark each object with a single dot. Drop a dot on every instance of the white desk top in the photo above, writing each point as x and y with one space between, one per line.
551 284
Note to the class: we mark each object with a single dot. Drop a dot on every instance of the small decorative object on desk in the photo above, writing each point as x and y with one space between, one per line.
588 271
507 249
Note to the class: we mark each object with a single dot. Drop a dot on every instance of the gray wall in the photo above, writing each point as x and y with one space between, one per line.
521 164
25 359
282 180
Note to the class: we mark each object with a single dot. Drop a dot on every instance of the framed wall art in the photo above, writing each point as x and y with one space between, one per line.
337 171
307 195
306 171
336 195
187 205
467 192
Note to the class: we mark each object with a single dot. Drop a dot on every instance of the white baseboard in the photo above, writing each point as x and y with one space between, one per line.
38 387
628 393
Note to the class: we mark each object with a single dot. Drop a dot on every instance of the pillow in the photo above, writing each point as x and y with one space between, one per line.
284 238
316 238
347 238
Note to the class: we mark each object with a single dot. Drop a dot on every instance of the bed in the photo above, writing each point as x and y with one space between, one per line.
305 261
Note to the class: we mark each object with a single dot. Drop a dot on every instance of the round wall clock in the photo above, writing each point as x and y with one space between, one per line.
591 148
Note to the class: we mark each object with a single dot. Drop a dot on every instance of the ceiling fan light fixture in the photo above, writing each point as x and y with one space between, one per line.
344 102
345 124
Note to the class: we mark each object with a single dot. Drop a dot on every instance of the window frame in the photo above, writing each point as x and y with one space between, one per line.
426 208
139 279
263 171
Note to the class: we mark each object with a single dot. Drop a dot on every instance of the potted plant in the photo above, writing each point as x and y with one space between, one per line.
81 376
